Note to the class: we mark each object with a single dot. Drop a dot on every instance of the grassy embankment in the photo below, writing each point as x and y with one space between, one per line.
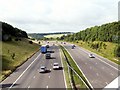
78 83
15 53
54 36
107 51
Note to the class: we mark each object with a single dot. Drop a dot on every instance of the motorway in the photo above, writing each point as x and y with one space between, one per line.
98 71
28 76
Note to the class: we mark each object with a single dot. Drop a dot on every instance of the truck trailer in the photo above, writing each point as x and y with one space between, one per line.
43 49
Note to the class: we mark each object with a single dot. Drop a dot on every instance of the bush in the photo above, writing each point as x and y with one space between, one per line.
16 39
117 51
30 42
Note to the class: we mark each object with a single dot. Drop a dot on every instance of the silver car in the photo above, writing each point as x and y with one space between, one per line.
56 66
43 69
91 56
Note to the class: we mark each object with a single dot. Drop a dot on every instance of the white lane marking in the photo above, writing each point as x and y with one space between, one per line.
49 76
100 59
90 67
112 74
106 83
97 74
46 86
96 63
34 77
79 68
108 64
24 72
63 70
28 86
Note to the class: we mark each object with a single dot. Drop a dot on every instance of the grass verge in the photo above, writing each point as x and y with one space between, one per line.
14 54
77 82
66 71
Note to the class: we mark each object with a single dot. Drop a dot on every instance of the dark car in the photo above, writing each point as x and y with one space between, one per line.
48 55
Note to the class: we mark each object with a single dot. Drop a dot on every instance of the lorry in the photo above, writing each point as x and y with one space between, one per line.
43 49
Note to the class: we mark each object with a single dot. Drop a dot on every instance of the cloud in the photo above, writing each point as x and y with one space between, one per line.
57 15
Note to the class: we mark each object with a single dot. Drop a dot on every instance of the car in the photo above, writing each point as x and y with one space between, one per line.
43 69
73 46
48 55
47 46
91 56
56 66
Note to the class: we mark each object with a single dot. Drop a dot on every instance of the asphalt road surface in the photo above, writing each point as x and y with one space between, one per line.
28 76
98 71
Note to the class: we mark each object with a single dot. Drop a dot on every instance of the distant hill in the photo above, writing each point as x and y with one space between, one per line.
42 35
8 31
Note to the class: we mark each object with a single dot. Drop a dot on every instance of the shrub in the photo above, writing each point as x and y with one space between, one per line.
30 42
117 51
16 39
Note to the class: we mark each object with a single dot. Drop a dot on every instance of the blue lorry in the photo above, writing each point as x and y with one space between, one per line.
43 49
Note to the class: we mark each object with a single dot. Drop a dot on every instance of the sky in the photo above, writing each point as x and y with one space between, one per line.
44 16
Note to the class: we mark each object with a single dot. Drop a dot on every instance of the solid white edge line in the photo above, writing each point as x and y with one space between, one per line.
80 69
107 64
46 86
63 70
24 72
87 51
28 86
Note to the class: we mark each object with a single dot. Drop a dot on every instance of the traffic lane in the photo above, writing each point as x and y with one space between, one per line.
14 76
27 77
41 80
90 74
100 57
99 60
96 62
99 63
57 74
88 67
49 80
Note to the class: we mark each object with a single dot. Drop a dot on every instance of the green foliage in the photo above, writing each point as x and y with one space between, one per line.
107 32
117 51
15 53
8 31
30 42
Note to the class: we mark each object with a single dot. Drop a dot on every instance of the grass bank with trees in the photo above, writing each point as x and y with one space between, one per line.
15 47
103 40
15 53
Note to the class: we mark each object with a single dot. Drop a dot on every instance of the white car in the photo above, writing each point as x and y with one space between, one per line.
56 66
91 56
43 69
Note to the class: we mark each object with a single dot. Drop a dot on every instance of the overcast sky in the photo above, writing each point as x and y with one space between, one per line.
42 16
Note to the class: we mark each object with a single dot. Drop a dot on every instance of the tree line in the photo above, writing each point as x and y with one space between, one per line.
109 32
8 31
